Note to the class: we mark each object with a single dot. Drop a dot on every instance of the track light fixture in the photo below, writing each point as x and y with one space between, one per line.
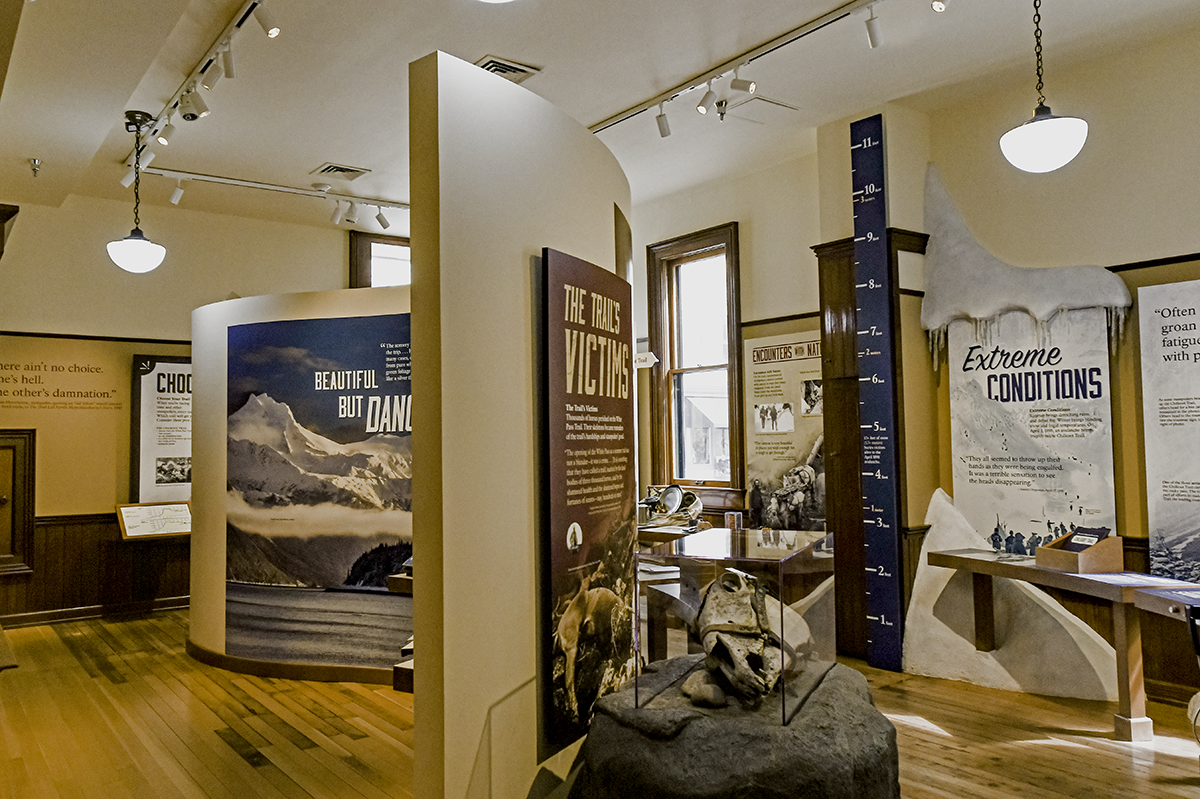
212 74
263 15
381 219
164 135
664 127
227 59
873 29
352 214
135 252
739 85
1046 142
192 105
337 213
708 102
177 195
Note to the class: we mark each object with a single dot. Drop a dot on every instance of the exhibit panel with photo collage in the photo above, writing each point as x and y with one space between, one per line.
319 497
785 464
589 522
161 461
1031 426
1170 341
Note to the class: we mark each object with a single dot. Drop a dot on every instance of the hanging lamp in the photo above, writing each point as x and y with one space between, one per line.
1046 142
136 253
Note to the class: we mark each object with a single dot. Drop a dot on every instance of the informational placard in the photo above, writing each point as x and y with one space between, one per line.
785 464
161 429
154 519
1170 333
589 527
1031 425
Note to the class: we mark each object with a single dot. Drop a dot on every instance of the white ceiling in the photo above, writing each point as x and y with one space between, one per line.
332 86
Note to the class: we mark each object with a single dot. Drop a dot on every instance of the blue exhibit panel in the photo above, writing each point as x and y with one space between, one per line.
877 396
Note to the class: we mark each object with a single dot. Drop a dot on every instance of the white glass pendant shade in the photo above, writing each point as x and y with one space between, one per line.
136 253
1044 143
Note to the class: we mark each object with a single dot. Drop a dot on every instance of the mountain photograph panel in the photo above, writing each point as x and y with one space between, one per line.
319 489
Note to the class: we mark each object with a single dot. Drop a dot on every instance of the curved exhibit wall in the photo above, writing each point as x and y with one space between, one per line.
497 174
289 398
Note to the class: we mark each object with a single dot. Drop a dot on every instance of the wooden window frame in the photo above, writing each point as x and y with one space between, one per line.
360 255
661 259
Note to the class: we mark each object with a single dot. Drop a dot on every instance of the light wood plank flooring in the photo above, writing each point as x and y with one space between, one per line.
959 740
117 709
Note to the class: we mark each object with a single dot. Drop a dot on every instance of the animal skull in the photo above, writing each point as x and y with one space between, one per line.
735 631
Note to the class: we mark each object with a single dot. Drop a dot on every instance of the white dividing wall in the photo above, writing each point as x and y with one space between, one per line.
497 174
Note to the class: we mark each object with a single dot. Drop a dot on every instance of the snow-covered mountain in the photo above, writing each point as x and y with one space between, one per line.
274 461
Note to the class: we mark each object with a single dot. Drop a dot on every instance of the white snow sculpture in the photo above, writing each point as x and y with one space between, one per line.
1041 647
965 281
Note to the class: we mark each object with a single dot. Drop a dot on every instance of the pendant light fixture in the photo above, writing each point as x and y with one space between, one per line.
135 252
1046 142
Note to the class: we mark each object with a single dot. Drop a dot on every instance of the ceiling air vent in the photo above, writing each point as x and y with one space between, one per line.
339 171
514 71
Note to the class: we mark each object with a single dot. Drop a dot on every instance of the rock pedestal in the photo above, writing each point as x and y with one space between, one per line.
838 746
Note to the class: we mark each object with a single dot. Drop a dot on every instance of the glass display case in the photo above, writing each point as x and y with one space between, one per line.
794 569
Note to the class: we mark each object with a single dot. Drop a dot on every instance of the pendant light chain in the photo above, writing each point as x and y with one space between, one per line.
137 175
1037 47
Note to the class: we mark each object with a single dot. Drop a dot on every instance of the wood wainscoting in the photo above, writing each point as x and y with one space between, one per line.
82 568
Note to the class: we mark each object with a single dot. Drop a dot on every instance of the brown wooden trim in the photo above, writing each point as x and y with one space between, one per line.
1137 554
317 672
912 293
31 334
15 620
659 257
360 255
1169 693
7 214
1174 259
24 447
789 318
901 240
82 518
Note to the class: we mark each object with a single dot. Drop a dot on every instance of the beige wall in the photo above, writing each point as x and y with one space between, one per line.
58 277
776 211
1132 194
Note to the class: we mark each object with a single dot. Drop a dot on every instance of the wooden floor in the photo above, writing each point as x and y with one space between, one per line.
958 740
117 709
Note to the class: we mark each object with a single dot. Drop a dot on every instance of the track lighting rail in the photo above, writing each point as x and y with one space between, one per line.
253 184
728 66
213 58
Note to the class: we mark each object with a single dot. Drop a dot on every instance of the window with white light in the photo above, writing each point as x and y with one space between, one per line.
377 260
695 330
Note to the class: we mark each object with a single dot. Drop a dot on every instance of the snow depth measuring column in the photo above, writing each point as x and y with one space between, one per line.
878 394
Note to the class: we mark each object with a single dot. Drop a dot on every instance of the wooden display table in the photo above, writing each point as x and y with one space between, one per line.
1118 588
